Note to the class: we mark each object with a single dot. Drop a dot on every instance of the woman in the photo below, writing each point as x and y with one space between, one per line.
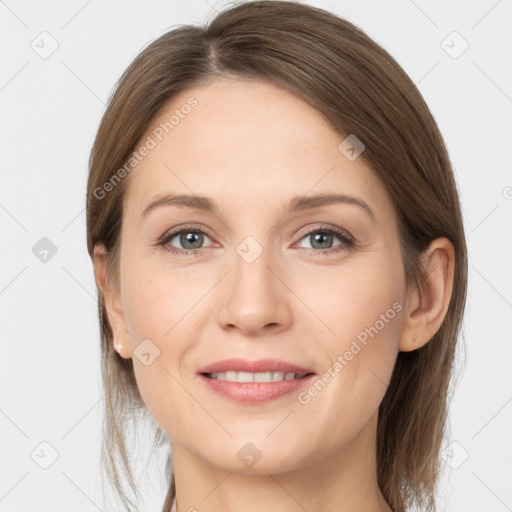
280 257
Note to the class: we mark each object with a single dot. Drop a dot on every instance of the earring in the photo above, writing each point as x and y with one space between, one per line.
118 347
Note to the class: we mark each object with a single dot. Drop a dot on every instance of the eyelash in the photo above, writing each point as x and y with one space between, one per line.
346 241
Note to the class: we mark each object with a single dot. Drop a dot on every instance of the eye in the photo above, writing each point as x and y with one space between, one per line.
322 239
190 238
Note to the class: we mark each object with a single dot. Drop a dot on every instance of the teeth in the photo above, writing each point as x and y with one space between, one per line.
232 376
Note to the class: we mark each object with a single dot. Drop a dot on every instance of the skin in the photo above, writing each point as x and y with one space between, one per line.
251 147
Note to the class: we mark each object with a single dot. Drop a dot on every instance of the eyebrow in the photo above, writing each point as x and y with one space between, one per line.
297 203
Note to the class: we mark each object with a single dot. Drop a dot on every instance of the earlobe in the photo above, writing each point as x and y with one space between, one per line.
427 306
112 302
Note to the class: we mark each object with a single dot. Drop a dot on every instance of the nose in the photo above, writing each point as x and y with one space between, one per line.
255 298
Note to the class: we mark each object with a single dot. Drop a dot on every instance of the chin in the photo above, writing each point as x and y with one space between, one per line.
258 457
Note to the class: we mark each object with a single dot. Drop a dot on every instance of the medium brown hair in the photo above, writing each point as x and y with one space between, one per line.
360 89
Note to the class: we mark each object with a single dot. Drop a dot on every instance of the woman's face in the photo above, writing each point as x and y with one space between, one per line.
254 277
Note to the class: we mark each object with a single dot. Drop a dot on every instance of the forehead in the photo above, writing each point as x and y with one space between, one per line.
241 141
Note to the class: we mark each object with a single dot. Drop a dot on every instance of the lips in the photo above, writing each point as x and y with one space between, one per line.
258 366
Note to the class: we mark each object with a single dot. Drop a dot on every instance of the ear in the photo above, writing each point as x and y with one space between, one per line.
112 300
426 307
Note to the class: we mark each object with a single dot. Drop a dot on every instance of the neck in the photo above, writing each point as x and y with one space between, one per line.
344 481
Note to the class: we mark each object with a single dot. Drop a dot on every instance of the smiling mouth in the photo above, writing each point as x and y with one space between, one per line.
251 377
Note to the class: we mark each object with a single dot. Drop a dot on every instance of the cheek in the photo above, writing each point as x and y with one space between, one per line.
164 308
152 299
360 308
355 300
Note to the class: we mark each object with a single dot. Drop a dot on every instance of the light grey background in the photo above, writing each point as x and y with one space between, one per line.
50 110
